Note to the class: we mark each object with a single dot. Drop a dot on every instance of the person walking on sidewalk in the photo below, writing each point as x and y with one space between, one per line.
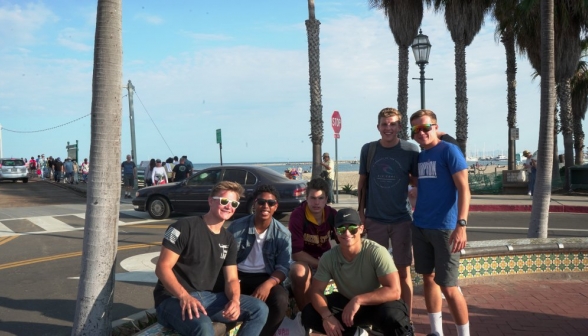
531 168
158 174
193 253
383 192
440 220
328 173
129 170
312 227
263 257
368 286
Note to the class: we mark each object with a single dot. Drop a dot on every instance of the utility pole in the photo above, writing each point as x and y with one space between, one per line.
131 89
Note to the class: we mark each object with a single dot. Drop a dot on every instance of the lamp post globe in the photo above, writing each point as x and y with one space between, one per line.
421 48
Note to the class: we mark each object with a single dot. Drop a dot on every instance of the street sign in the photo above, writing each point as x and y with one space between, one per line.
514 133
336 122
219 139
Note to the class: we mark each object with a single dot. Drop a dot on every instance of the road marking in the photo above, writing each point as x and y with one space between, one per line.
49 223
5 240
69 255
140 268
5 231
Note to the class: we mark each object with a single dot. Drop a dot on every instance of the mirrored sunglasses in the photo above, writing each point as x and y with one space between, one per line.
263 201
352 229
225 201
424 127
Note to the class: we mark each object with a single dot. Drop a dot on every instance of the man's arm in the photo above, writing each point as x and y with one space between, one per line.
233 293
319 303
361 196
459 237
390 291
307 258
190 306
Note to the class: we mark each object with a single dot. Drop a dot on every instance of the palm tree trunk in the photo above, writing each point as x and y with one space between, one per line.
541 198
96 285
564 93
578 141
316 107
461 96
508 41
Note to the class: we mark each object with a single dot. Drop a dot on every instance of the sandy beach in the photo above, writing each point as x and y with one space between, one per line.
352 178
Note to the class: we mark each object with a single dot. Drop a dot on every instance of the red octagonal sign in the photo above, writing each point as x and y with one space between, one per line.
336 122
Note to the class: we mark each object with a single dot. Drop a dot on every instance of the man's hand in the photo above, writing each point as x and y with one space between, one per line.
349 311
191 307
332 326
458 239
263 290
232 310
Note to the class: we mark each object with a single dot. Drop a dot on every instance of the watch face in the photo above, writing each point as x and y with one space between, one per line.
462 222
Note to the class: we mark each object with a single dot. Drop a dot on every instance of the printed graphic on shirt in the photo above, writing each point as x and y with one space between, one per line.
428 169
224 248
387 172
172 235
313 239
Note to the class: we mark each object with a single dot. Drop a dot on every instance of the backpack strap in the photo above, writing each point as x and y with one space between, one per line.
370 156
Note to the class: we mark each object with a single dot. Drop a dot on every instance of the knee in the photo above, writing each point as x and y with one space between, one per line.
299 272
451 293
404 273
429 279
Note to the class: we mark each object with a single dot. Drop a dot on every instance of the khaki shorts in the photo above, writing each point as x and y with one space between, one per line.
399 234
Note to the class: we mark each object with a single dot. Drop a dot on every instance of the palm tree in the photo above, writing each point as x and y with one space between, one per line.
316 107
404 19
541 199
580 104
96 285
503 12
464 19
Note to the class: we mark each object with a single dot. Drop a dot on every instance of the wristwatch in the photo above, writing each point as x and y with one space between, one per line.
462 222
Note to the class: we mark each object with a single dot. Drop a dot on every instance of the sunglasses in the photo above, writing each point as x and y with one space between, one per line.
424 127
263 201
352 229
225 201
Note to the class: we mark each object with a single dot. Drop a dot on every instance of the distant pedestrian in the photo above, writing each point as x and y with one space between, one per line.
180 171
76 169
41 163
328 174
68 166
57 170
129 170
158 174
189 165
148 171
169 167
85 167
440 220
531 168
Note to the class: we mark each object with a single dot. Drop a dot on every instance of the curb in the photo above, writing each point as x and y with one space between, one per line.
526 208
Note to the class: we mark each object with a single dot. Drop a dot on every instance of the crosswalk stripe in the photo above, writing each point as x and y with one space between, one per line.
5 231
49 223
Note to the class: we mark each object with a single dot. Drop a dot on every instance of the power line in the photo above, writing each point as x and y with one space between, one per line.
154 124
46 129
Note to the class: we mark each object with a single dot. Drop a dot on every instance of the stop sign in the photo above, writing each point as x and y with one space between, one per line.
336 122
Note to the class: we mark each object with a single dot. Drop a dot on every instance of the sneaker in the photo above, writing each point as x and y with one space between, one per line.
360 332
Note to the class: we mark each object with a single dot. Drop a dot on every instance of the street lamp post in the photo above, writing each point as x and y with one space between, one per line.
421 49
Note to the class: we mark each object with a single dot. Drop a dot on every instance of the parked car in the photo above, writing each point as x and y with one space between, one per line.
13 169
191 195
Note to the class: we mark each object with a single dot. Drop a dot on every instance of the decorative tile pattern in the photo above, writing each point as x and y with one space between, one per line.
518 264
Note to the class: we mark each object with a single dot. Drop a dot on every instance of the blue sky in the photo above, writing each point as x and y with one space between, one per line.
241 66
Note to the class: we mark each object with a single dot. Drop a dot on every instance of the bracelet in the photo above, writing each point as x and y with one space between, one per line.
276 279
328 316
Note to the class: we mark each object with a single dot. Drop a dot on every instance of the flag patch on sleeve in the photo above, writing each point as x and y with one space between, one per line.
172 235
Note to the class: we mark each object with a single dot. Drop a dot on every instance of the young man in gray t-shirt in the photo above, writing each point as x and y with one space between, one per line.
383 192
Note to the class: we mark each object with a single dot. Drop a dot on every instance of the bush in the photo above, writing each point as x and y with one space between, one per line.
347 189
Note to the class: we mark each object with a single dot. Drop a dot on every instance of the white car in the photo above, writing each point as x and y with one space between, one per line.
13 169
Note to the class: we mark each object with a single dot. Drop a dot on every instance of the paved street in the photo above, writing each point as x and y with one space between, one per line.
41 233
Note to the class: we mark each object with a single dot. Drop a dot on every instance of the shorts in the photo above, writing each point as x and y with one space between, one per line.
400 236
129 180
432 253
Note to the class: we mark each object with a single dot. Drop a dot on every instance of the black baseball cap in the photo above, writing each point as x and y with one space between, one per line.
347 216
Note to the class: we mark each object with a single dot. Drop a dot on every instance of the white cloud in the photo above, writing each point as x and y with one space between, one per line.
72 38
21 23
205 37
149 18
